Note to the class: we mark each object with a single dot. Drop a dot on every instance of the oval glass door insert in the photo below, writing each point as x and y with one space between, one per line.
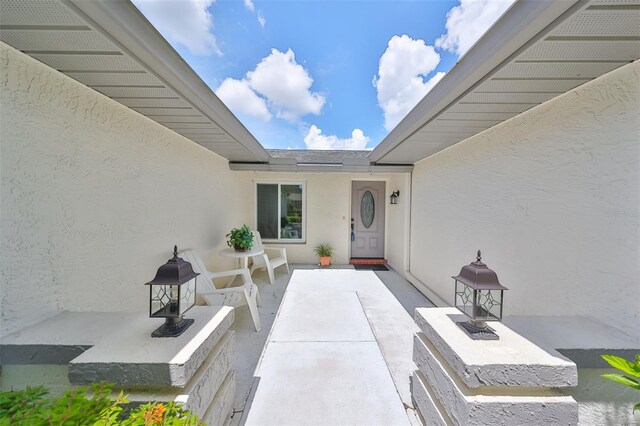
367 209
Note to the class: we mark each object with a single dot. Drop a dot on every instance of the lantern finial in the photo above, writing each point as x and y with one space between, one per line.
479 257
175 252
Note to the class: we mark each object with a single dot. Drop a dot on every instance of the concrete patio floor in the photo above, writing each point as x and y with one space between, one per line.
352 319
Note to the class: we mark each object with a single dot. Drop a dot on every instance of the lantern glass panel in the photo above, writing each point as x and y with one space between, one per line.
488 305
481 305
165 301
188 297
464 299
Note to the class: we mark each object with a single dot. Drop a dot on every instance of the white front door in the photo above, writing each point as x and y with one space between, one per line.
367 219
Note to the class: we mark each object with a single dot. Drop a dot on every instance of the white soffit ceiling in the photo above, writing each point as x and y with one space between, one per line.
535 52
110 47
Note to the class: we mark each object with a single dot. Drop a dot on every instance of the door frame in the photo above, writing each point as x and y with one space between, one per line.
386 212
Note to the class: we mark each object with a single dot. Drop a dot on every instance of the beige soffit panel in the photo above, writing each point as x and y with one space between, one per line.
110 47
535 52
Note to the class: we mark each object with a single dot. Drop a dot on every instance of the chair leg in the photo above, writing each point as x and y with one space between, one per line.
269 269
272 275
253 310
288 270
258 297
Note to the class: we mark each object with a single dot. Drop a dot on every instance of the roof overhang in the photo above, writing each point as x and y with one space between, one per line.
319 161
536 51
321 167
111 47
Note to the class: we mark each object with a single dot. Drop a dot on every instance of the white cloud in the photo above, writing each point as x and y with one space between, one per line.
262 21
249 5
185 22
286 86
467 22
238 96
316 140
277 85
401 77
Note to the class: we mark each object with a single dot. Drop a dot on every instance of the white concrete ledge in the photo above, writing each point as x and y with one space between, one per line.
491 405
581 339
134 358
511 361
61 338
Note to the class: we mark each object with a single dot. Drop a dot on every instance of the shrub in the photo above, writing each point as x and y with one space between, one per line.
32 407
632 368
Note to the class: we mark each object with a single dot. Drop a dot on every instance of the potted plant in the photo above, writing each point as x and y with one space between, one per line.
324 252
240 239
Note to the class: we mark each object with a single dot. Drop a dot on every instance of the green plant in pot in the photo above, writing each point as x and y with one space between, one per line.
240 239
324 252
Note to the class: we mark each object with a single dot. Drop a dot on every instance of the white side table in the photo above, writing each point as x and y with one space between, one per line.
242 256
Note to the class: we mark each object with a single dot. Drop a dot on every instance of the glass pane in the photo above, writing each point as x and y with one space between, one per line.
489 303
291 212
188 296
268 210
367 209
164 301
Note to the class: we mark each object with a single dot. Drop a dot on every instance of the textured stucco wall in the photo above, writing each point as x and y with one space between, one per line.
329 212
94 196
552 197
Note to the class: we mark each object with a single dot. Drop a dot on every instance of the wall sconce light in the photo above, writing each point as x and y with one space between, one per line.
171 293
479 295
394 197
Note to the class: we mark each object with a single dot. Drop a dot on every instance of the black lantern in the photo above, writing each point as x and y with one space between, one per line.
479 296
394 197
172 293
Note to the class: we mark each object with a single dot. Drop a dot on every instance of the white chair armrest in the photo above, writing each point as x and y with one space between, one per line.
244 272
223 290
282 252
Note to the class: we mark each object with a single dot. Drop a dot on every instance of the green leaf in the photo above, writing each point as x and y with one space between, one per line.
623 379
636 407
632 368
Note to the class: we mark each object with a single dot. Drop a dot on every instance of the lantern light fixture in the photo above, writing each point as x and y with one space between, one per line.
172 293
394 197
479 295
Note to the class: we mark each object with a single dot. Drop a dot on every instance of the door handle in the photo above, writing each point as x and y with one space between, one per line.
353 236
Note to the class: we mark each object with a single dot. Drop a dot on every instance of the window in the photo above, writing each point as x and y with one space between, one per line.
280 211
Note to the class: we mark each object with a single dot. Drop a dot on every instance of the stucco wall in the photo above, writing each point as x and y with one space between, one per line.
94 196
328 197
552 197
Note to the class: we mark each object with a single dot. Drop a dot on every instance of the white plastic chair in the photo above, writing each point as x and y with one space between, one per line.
236 296
263 261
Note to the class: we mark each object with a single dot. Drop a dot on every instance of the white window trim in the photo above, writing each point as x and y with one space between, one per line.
281 182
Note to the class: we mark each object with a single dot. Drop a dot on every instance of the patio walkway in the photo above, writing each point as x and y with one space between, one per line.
339 353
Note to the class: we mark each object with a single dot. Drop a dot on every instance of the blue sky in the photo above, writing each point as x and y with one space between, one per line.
321 74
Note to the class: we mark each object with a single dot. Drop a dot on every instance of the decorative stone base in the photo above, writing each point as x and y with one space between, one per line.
204 387
220 409
441 387
427 405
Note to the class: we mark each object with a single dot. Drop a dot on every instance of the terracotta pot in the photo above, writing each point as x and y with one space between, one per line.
238 248
325 260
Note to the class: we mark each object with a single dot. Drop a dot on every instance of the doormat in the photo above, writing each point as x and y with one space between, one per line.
367 261
370 268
